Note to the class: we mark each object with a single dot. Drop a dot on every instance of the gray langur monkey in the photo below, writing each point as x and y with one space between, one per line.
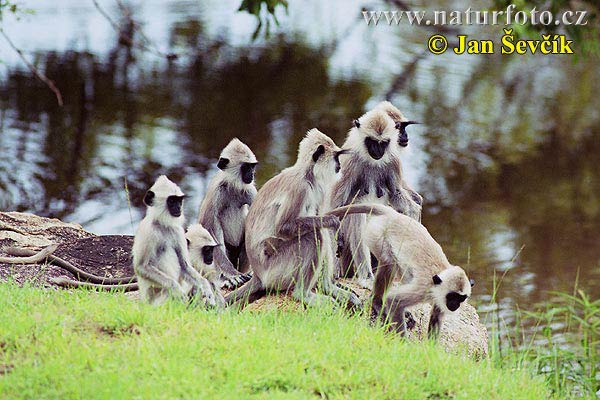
160 256
286 236
372 173
224 208
401 123
201 246
405 248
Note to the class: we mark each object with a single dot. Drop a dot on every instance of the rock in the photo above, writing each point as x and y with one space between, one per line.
110 256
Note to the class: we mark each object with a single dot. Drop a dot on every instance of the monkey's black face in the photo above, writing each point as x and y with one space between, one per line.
453 300
247 171
207 254
174 204
403 137
336 158
375 148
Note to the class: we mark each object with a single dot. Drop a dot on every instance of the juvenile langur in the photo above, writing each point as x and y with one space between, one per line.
405 248
286 236
201 246
401 123
160 256
371 174
224 209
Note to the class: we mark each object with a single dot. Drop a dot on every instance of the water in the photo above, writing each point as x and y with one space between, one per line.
507 156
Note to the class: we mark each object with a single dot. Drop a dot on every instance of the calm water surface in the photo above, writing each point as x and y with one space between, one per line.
507 157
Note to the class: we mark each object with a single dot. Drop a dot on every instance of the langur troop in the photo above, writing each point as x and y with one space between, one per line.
337 212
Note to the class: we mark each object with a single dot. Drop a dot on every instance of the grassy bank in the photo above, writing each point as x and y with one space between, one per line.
56 344
560 342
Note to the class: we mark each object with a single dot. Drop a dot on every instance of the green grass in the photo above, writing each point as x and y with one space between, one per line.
563 346
59 344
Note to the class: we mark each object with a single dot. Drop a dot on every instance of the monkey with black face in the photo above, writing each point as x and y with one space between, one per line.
224 208
401 124
405 248
372 173
201 246
160 256
287 240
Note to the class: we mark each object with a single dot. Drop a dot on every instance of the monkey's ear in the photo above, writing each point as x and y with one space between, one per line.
149 198
437 280
223 162
472 282
320 150
356 123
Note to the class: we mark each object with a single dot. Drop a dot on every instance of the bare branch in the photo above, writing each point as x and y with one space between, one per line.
34 70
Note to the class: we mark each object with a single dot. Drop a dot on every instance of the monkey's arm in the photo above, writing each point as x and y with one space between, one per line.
290 225
401 199
224 266
150 273
414 195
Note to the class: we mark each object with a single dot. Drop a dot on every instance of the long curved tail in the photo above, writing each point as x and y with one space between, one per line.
371 209
247 293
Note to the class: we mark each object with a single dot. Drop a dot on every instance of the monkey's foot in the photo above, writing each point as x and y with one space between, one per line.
235 281
365 283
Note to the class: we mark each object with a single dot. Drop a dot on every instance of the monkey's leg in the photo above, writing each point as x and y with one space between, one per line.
328 287
244 263
435 321
396 303
361 256
383 280
230 276
158 278
307 256
246 294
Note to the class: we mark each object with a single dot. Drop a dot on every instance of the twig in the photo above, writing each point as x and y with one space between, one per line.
77 272
34 70
70 283
32 258
147 46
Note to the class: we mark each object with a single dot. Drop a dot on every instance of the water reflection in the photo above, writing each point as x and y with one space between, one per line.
507 157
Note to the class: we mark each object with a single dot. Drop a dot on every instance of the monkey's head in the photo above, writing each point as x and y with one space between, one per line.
164 202
200 244
373 136
400 121
319 154
451 288
238 162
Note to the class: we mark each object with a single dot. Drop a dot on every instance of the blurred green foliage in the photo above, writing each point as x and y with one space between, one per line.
587 36
264 11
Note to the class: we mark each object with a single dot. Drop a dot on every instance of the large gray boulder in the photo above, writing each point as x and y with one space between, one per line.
109 256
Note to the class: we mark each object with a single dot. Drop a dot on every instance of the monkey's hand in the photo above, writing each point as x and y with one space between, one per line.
177 291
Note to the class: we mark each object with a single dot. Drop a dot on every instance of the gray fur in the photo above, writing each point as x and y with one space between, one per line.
365 179
288 243
223 213
160 256
406 251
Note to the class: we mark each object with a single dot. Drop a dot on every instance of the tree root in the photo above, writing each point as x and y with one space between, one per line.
70 283
46 254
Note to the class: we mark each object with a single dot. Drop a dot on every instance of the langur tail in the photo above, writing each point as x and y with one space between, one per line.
370 209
